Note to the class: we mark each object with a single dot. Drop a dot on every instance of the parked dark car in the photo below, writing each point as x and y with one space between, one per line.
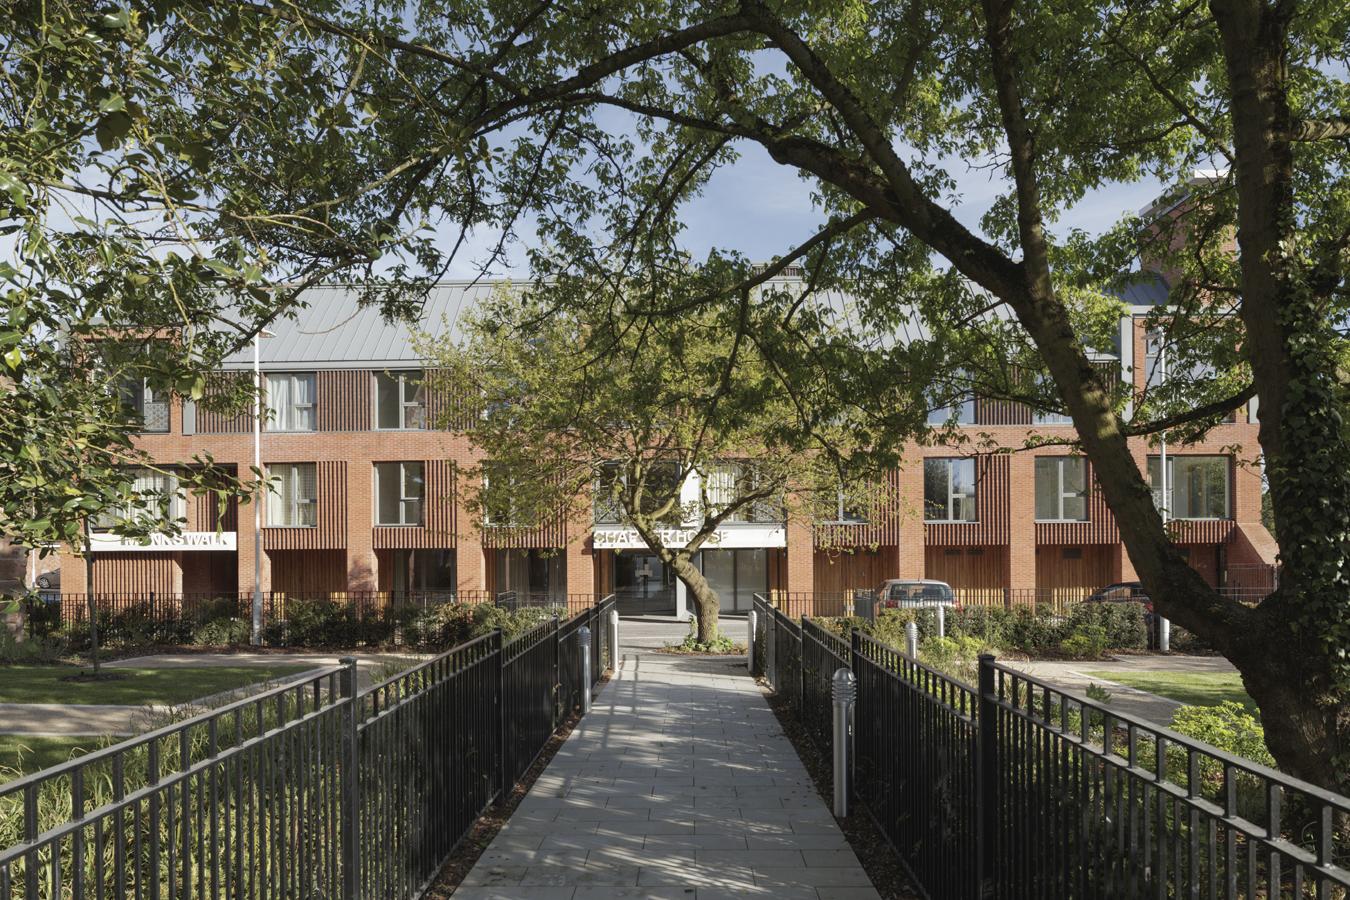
1129 592
49 581
899 593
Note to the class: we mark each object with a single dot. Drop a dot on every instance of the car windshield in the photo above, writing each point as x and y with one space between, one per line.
914 592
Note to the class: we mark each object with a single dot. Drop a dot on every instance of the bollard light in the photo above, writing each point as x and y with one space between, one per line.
912 640
941 621
584 639
844 687
614 640
750 642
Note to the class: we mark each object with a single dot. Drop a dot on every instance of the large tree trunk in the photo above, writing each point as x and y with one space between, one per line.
707 604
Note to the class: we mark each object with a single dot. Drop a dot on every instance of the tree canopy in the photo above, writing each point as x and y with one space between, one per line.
667 428
272 145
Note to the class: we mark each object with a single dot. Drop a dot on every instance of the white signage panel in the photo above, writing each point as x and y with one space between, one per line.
188 540
740 537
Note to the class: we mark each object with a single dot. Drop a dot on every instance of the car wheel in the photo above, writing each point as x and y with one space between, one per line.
44 582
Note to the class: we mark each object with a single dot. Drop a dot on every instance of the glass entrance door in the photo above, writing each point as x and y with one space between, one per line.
642 584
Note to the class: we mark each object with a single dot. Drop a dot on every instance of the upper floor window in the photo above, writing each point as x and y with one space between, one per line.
400 400
949 490
1160 366
727 482
1051 418
154 501
1061 489
399 491
1198 486
290 402
846 511
660 488
962 413
151 405
295 500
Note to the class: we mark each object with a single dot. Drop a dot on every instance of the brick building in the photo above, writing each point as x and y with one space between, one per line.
367 495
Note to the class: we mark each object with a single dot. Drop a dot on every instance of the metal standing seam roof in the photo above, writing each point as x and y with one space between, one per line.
332 332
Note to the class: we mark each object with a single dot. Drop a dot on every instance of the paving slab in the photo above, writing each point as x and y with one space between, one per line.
678 784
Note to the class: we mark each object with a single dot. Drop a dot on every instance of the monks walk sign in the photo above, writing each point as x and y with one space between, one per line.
187 540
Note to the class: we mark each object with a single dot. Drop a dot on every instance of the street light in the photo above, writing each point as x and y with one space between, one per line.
257 492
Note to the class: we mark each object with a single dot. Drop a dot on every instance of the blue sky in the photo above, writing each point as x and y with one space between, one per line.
762 209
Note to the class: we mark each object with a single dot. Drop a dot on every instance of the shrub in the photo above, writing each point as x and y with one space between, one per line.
1229 728
229 632
1086 642
1123 623
33 649
993 625
1037 629
719 643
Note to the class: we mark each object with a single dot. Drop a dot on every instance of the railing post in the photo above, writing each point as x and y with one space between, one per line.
499 644
986 785
912 640
614 641
584 640
845 689
750 621
349 764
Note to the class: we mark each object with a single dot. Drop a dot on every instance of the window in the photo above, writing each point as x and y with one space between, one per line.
963 413
399 491
290 402
1061 489
724 484
845 510
1051 418
151 405
949 490
1198 485
400 400
156 501
663 481
1159 368
295 502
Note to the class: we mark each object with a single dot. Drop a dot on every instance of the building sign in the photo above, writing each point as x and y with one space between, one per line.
188 540
724 539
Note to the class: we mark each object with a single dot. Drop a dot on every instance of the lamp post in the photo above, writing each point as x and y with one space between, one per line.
257 488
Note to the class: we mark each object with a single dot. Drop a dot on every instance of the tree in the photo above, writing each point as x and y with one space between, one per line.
666 429
335 132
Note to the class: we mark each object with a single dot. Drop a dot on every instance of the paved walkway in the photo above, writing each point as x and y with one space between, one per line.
679 785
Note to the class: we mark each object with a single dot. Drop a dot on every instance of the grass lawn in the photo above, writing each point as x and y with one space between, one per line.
160 687
23 754
1191 688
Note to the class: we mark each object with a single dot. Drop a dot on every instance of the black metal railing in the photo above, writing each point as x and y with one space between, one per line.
311 789
1019 789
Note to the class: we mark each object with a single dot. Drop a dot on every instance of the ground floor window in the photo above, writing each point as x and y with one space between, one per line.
642 583
736 575
1198 486
421 570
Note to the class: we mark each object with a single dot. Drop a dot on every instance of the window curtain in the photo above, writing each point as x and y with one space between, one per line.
279 402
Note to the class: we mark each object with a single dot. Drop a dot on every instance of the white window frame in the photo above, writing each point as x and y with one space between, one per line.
1061 493
403 499
283 472
292 407
953 497
401 379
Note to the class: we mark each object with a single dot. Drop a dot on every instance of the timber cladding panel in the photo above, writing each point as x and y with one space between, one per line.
209 422
308 571
840 571
967 568
991 507
1071 573
344 400
331 532
450 407
135 573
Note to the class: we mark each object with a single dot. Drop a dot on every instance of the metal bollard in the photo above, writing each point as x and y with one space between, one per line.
750 642
941 621
1164 634
912 640
584 638
845 688
614 640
